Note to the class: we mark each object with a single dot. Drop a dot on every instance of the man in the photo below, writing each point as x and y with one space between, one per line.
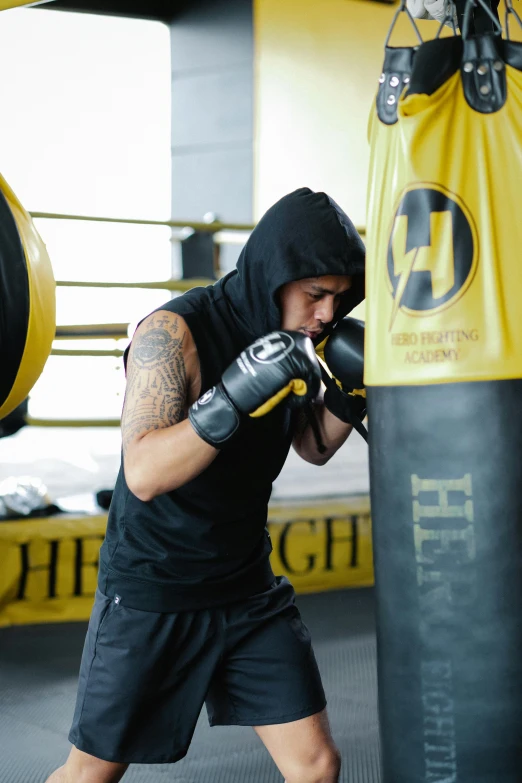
188 609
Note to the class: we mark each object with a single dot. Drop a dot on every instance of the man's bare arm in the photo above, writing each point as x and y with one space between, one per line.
333 434
161 450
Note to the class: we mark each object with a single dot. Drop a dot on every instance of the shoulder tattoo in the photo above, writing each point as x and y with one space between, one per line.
156 379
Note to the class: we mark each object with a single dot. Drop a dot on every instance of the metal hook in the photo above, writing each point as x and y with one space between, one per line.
471 4
402 7
510 10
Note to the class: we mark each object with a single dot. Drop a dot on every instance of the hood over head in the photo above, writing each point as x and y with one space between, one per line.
305 234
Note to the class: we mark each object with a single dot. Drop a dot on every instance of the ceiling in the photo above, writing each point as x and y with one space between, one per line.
161 10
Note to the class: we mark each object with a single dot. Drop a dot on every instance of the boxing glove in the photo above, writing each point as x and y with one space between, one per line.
344 356
274 367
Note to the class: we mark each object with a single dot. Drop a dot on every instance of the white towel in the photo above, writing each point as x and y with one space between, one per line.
417 9
435 10
438 10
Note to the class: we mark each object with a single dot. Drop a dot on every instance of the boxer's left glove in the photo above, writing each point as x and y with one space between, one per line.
275 366
344 355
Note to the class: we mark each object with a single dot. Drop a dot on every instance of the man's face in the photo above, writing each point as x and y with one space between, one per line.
308 305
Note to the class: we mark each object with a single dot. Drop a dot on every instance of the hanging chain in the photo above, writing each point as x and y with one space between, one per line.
470 6
510 10
403 8
449 19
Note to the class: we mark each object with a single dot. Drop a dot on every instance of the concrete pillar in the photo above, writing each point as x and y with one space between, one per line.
212 110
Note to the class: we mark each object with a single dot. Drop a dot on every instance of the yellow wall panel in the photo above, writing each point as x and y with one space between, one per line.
317 67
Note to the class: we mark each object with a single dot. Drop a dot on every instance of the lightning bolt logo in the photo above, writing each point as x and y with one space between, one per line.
437 258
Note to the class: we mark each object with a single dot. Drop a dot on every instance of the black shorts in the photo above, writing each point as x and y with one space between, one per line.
144 676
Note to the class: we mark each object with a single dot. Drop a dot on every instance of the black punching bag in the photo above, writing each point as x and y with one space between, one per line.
443 363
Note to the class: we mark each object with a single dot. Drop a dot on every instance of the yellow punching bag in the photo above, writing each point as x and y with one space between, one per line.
443 370
27 302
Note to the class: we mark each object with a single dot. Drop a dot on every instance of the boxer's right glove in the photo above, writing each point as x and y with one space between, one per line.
344 355
275 366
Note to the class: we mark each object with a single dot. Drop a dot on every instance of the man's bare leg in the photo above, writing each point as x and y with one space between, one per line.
303 750
80 767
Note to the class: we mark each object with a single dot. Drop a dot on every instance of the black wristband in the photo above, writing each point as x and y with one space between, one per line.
214 417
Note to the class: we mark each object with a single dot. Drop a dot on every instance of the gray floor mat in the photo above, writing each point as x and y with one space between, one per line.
38 676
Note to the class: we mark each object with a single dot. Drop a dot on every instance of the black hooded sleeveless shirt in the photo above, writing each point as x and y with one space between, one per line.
206 543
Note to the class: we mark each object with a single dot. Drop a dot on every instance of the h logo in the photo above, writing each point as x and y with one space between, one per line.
432 251
272 348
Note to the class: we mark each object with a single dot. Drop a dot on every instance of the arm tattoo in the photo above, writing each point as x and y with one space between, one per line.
156 391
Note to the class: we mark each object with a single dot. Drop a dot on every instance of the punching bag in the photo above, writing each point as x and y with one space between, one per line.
27 302
443 370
